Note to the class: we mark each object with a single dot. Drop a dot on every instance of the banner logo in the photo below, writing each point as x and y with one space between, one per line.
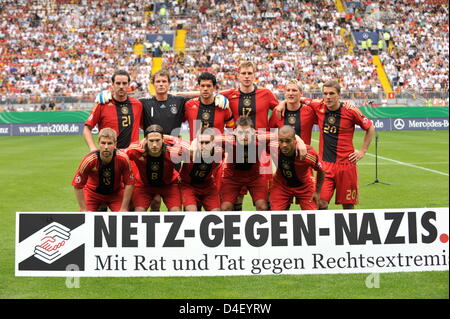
49 249
50 241
399 124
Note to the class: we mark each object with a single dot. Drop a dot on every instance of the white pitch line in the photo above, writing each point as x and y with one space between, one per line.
427 163
410 165
405 164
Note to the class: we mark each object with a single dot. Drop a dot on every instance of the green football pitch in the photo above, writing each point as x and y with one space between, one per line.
36 173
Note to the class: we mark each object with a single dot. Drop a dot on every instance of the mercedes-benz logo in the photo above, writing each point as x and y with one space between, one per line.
399 124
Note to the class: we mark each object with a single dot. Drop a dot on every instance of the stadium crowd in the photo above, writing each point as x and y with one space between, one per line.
421 58
67 50
288 39
65 47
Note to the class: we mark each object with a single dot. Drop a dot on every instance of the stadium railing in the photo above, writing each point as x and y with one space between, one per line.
80 102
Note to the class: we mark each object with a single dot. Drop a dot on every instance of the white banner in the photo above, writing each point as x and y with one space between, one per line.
231 243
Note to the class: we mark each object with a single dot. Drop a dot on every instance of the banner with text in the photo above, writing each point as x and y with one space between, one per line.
98 244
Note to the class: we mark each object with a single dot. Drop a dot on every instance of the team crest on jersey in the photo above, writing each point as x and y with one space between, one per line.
154 167
173 109
286 165
106 173
206 116
203 166
291 120
247 102
331 120
124 110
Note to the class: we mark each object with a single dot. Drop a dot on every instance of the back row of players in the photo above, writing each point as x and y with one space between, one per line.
123 173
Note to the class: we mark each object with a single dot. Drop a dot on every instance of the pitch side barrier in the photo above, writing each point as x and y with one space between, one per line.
72 122
108 244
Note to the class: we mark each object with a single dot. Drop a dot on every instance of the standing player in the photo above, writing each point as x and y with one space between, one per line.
123 114
337 126
198 178
255 103
100 176
293 178
250 100
298 115
156 171
164 109
203 112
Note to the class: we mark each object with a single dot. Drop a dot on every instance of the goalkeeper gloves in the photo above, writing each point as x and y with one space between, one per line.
221 101
103 97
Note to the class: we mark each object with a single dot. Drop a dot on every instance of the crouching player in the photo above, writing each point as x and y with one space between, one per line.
293 177
198 176
157 174
243 167
104 177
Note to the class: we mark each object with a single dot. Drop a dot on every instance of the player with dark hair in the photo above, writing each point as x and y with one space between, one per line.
337 126
293 178
122 113
101 174
203 112
253 102
198 176
164 108
156 171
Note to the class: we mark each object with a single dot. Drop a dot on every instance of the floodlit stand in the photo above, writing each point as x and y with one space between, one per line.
376 181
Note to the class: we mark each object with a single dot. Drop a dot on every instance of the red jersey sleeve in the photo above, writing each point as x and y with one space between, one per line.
125 168
94 116
274 121
273 102
314 103
134 152
363 121
312 158
82 174
227 93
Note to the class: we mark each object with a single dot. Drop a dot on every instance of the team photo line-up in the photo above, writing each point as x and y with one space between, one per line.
217 167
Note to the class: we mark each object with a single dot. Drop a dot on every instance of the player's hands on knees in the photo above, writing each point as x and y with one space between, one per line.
356 156
103 97
315 197
221 101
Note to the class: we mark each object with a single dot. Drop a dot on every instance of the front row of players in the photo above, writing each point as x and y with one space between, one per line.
105 177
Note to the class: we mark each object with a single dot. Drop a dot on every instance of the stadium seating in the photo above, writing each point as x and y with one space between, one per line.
69 48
